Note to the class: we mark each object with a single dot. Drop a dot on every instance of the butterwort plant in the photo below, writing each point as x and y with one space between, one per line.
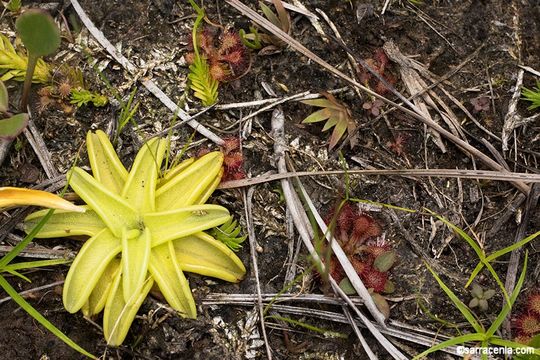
145 228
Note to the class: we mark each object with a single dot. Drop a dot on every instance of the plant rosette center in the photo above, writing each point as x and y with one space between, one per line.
143 229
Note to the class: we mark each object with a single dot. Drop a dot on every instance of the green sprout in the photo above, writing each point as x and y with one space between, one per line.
82 97
228 234
204 86
480 335
13 5
143 229
41 36
336 115
480 297
532 95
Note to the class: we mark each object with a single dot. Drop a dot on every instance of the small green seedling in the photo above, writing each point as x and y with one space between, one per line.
10 125
41 36
228 234
204 86
480 297
13 5
129 109
254 39
532 95
281 20
482 336
336 114
81 97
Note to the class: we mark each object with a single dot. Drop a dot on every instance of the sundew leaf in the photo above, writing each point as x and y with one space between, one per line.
38 31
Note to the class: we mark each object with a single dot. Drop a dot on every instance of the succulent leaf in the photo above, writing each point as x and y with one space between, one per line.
140 186
106 167
136 248
188 185
88 267
111 208
172 283
11 127
66 223
175 171
202 254
98 297
119 312
4 98
170 225
11 196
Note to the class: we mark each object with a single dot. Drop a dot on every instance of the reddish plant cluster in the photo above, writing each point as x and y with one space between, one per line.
57 95
527 325
227 57
378 62
233 160
357 233
398 145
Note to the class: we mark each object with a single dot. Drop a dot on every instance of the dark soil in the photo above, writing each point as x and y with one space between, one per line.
439 34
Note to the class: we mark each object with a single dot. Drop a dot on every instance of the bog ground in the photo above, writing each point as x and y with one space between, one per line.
465 61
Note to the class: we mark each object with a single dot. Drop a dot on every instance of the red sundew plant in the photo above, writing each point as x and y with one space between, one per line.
224 51
399 143
533 304
527 324
379 63
233 160
359 235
